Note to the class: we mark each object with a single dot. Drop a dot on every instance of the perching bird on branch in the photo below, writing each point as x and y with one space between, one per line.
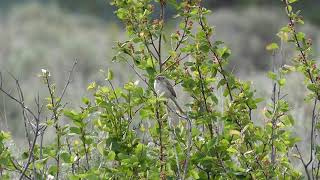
163 87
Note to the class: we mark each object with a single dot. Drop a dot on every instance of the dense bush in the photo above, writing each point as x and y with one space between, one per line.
134 132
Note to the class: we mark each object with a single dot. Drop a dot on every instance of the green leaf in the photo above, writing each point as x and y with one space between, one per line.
92 177
50 122
75 130
101 147
122 13
139 149
150 71
85 100
145 113
214 99
71 114
234 132
110 75
272 46
258 100
292 1
4 135
111 155
173 3
204 48
53 169
194 174
221 83
288 68
252 104
66 157
92 86
40 163
25 155
232 150
224 52
272 75
282 82
289 8
73 177
288 120
189 63
194 11
313 87
301 36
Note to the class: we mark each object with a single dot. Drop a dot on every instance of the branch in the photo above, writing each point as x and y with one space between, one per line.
15 99
140 76
312 131
162 4
221 71
176 62
292 24
184 34
189 140
303 162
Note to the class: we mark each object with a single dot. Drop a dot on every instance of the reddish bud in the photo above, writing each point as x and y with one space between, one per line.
215 60
130 46
290 24
309 42
186 71
155 22
151 7
314 66
178 33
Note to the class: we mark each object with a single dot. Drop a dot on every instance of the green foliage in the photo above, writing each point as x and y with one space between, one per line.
128 132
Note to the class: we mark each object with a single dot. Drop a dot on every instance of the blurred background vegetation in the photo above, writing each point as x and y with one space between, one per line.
51 34
99 8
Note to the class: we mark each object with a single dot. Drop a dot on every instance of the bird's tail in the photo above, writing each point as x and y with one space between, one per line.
189 144
176 103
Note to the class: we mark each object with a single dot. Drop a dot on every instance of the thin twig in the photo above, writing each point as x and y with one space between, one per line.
184 34
303 162
162 4
189 140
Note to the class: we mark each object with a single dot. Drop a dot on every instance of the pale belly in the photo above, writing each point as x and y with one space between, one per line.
161 90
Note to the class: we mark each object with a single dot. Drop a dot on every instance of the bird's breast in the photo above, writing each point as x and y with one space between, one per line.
161 89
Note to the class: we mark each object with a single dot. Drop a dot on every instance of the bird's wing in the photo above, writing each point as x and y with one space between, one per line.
170 87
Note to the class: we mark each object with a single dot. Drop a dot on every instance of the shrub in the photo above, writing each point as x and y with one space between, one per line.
135 132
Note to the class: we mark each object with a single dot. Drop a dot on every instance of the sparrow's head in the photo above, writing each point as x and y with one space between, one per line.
160 78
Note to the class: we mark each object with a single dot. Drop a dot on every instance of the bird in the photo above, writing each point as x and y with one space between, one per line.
164 88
